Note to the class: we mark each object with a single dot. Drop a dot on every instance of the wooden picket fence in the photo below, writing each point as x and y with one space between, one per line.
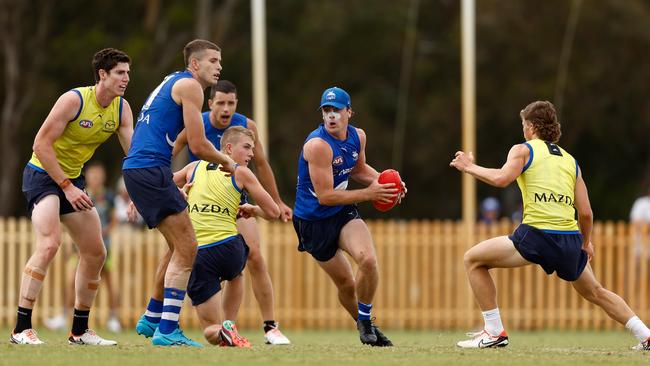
422 284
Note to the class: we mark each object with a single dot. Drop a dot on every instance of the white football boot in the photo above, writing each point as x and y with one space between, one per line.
483 339
27 336
90 338
275 337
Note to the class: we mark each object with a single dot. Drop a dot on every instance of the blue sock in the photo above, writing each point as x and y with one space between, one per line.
364 311
154 311
171 310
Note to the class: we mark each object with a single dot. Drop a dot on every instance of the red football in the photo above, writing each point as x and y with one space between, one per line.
389 176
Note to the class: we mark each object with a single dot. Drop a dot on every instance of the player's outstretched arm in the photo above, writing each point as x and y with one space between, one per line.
267 208
189 94
125 131
501 177
585 214
319 156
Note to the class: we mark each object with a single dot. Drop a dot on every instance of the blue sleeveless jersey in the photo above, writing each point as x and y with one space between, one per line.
214 134
344 158
159 122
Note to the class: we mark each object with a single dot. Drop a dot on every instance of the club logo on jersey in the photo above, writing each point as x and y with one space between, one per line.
330 96
355 155
109 126
84 123
337 161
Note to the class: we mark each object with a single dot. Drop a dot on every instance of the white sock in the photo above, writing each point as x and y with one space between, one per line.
636 326
493 323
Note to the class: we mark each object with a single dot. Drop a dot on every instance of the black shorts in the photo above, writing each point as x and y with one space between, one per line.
321 238
153 193
37 184
213 264
561 253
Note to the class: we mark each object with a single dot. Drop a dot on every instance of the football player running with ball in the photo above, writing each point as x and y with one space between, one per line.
325 215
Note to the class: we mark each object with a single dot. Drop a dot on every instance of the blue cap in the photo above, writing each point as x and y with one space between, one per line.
490 204
335 97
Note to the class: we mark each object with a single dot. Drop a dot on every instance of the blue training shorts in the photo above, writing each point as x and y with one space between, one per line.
37 184
561 253
153 193
213 264
320 238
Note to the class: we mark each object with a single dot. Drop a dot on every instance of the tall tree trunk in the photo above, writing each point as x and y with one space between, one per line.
223 15
23 61
202 24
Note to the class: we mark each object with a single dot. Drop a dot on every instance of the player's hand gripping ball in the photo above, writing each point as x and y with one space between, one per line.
389 176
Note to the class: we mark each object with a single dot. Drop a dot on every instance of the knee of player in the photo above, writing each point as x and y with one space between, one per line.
96 253
48 247
347 285
368 262
470 260
187 251
256 261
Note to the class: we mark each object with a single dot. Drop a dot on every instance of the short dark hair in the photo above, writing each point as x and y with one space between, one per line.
107 59
223 86
197 45
542 115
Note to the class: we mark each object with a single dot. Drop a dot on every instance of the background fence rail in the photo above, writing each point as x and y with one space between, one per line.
422 285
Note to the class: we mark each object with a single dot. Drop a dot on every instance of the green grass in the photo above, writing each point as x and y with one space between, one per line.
336 348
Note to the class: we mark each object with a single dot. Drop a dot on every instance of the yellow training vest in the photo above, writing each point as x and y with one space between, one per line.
547 187
89 129
213 202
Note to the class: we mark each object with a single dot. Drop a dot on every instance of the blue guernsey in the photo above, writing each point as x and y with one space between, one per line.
159 122
344 159
214 134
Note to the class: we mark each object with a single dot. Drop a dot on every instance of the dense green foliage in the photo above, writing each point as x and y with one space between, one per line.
358 45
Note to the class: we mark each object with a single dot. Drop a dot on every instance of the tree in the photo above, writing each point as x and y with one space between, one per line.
23 60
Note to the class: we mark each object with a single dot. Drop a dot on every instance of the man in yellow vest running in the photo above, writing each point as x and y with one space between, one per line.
552 189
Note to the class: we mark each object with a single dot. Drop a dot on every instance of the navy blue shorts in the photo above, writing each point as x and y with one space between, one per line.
321 238
37 184
213 264
153 193
244 198
561 253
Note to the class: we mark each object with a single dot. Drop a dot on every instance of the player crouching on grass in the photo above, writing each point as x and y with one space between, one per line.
214 202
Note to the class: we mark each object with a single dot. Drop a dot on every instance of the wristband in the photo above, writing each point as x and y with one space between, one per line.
65 183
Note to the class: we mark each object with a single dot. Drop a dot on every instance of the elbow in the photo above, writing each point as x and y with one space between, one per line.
501 182
198 149
325 201
38 148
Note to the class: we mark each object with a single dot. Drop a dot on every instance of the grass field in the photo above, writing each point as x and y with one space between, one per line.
337 348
